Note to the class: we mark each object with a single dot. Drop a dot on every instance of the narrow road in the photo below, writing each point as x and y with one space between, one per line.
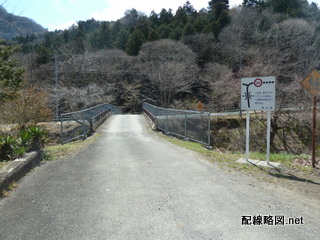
133 184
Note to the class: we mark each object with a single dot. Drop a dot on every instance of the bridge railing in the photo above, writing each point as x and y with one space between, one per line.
80 124
191 125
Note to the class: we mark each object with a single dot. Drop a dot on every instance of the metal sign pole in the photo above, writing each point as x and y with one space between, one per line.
312 83
247 134
268 136
61 130
314 130
185 126
166 122
56 87
258 94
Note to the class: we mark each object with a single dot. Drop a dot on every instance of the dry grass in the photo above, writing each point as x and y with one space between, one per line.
6 193
2 164
58 151
302 179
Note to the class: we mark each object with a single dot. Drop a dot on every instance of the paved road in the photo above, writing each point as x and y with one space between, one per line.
132 184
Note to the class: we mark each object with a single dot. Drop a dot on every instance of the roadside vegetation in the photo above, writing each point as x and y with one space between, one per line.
304 180
27 137
58 151
173 58
27 140
288 134
176 57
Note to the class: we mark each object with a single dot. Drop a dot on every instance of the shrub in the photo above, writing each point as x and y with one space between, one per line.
31 139
25 137
38 136
7 147
30 107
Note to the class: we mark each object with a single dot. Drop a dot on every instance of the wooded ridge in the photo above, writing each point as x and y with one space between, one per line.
12 26
176 58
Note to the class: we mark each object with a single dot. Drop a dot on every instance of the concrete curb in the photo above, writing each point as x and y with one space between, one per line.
152 124
260 163
17 169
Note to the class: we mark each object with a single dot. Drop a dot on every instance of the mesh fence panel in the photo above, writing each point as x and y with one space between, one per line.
191 125
198 127
80 124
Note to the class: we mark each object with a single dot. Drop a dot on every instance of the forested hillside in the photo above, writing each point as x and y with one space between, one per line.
12 26
177 57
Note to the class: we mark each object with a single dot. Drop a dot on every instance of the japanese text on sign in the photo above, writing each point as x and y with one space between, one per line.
258 93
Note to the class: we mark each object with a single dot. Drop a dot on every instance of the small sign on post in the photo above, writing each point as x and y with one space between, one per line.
258 94
312 83
200 106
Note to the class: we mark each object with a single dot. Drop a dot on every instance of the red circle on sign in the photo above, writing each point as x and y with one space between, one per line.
258 82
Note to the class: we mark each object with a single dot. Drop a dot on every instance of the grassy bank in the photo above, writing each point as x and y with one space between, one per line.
289 162
55 152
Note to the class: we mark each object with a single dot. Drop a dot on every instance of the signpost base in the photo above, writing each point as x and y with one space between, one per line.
268 136
258 94
247 135
312 84
314 131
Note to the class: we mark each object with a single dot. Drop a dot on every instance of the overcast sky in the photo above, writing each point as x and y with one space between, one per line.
61 14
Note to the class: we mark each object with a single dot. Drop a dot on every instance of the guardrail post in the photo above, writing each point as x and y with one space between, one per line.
161 120
61 120
81 118
185 126
209 131
91 126
155 122
84 128
166 122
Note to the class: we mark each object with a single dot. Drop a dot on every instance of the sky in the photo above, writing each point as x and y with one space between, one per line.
61 14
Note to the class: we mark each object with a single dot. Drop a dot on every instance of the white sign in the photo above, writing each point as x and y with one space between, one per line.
258 93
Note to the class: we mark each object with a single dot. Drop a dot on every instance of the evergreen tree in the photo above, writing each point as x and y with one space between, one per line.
181 15
189 29
105 35
136 39
199 24
102 38
218 6
11 75
314 12
253 3
80 38
66 36
189 9
116 28
144 26
43 55
154 18
131 17
219 13
164 31
165 16
48 40
153 36
176 34
122 39
293 8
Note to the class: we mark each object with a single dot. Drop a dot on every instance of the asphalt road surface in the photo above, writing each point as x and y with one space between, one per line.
133 184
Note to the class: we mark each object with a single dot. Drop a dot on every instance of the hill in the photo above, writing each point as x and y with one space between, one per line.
175 59
12 25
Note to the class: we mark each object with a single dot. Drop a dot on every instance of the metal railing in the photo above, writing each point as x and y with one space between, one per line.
191 125
83 123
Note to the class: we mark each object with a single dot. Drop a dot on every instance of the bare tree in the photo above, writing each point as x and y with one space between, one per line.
222 84
169 69
30 107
